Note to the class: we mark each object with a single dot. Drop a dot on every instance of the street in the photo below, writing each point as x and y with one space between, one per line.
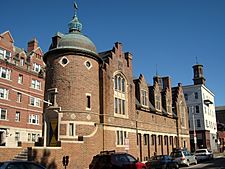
216 163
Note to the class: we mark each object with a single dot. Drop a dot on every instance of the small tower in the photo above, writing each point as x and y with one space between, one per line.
198 74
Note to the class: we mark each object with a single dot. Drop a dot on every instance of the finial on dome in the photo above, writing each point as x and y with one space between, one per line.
75 25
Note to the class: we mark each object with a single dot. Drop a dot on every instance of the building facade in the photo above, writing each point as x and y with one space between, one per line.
94 104
21 92
220 116
202 116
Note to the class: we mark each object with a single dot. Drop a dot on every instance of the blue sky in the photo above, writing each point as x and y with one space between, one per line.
166 33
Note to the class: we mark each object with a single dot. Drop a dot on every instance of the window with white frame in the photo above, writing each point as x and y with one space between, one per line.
36 84
71 129
36 67
33 119
5 73
19 97
17 136
4 54
4 93
144 96
17 118
120 96
35 101
22 61
20 79
3 114
120 137
29 137
34 137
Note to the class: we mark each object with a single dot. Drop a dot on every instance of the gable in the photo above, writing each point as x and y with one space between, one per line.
7 36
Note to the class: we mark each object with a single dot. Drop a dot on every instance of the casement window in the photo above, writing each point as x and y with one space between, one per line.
36 84
20 79
22 61
5 73
33 119
17 136
17 118
120 137
19 97
35 101
5 54
36 67
144 98
3 114
4 93
120 96
71 129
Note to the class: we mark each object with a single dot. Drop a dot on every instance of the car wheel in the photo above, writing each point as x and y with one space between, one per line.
177 166
196 162
188 164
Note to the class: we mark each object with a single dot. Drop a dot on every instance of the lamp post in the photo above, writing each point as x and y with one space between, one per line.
194 131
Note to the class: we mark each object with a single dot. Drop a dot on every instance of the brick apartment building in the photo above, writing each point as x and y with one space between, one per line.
21 92
94 104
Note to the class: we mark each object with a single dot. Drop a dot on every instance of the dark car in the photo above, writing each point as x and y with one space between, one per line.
162 162
20 165
115 160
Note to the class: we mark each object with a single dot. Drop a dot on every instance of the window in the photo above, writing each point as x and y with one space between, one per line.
5 73
17 136
20 79
196 95
88 101
158 102
3 114
4 54
19 97
206 121
182 116
198 123
71 129
186 96
29 137
171 140
33 137
36 67
146 139
121 136
4 93
196 109
35 84
153 138
160 140
33 119
17 118
22 62
35 101
165 140
120 96
144 98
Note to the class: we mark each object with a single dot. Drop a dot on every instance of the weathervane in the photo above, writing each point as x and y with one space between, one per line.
75 8
196 58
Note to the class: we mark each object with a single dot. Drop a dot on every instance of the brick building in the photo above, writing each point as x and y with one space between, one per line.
97 105
220 117
94 104
21 92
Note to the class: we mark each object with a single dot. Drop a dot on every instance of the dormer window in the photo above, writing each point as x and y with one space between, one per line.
36 67
144 98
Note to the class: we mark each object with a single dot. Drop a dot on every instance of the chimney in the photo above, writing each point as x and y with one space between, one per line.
32 45
166 82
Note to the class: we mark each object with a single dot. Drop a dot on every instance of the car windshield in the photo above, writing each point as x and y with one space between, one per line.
200 151
176 154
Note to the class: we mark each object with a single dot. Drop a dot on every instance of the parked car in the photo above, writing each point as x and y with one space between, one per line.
20 165
162 162
115 160
203 154
183 157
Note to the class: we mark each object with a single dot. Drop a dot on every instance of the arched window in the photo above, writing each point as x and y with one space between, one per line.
120 96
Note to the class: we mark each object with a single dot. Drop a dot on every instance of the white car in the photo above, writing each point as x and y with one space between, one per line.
203 154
